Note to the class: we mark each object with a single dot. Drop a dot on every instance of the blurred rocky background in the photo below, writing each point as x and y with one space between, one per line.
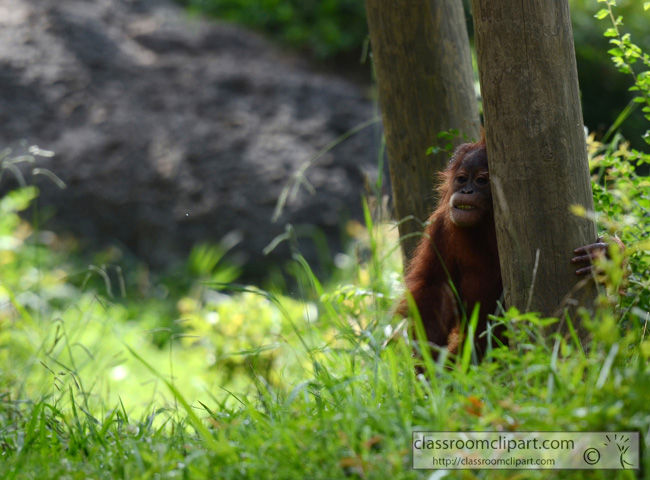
171 131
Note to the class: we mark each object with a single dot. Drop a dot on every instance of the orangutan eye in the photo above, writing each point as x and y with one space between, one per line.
481 181
461 179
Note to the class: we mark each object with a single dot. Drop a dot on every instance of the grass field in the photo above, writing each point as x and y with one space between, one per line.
108 372
250 384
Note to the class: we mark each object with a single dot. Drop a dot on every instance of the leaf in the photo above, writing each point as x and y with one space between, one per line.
602 14
615 52
469 340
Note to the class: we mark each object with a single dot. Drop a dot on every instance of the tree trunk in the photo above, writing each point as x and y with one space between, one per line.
424 75
536 147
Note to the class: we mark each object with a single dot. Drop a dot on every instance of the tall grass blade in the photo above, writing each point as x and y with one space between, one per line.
219 448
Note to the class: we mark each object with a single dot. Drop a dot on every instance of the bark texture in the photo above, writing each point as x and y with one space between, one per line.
536 148
424 75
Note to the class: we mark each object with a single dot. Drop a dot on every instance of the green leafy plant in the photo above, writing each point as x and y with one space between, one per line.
324 28
625 55
258 385
621 191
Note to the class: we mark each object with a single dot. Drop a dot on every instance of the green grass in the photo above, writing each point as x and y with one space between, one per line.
257 385
109 373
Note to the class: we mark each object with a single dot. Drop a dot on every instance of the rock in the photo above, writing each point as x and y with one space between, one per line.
171 131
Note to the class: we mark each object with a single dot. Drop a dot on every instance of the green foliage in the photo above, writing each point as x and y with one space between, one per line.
622 200
604 91
342 399
252 384
625 55
260 386
449 138
324 27
621 194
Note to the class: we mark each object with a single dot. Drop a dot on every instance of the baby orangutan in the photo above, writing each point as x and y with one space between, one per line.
460 248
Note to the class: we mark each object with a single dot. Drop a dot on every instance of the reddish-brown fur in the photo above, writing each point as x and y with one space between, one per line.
465 257
456 264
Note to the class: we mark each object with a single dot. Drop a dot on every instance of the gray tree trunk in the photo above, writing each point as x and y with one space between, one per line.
536 147
424 75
